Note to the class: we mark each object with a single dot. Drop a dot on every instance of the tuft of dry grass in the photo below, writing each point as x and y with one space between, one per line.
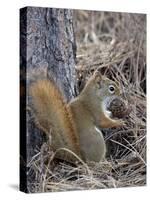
115 43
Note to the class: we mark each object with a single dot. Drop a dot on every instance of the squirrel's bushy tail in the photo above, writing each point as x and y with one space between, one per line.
53 114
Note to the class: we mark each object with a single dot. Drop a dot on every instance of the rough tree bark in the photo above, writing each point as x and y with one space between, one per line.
46 40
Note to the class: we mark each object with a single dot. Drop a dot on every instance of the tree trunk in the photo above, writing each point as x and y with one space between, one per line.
47 40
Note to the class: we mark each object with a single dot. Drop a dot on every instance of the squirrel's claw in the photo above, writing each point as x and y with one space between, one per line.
119 123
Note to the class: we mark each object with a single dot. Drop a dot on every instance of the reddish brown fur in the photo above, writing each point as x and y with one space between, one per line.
52 111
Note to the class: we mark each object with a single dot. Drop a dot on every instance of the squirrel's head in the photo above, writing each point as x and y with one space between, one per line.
102 87
101 91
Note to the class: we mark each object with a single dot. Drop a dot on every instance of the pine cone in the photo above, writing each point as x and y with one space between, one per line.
119 108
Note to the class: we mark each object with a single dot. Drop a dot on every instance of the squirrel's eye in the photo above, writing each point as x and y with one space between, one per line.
111 89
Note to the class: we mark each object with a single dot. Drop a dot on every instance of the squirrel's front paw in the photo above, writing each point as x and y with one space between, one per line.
119 123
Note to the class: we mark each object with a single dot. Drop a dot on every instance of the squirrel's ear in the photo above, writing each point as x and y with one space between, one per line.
97 75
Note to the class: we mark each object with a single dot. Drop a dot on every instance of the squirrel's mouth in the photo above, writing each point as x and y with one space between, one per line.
106 106
108 113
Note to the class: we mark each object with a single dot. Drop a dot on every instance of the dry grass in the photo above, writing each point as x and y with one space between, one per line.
116 43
